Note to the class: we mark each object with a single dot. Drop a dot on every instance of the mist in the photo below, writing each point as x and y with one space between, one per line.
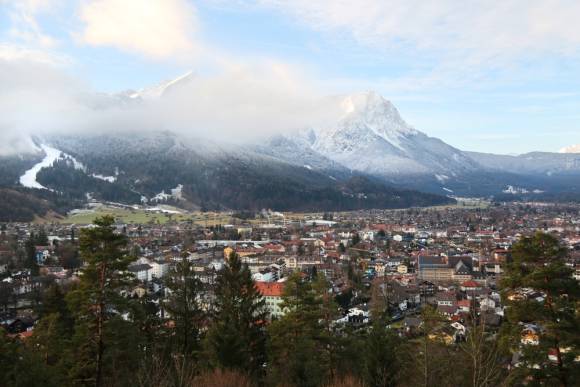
235 104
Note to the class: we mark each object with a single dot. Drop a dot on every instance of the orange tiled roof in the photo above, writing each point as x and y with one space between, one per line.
270 289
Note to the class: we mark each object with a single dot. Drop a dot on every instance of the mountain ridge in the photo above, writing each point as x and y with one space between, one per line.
368 146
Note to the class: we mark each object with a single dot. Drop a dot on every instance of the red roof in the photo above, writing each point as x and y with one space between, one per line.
270 289
470 284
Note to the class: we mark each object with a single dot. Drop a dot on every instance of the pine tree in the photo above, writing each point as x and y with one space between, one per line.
237 338
355 239
98 304
184 305
30 262
539 264
380 362
20 367
299 337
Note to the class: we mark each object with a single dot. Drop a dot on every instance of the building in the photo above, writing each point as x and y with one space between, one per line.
141 271
272 293
443 268
158 269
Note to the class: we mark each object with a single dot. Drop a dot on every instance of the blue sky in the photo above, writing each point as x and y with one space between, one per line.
501 78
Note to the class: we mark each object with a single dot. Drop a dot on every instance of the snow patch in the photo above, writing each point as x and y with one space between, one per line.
29 178
110 179
163 209
510 189
175 193
52 155
157 91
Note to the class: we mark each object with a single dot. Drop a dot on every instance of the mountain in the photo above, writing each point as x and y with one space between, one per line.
367 156
371 137
534 163
191 173
571 149
157 91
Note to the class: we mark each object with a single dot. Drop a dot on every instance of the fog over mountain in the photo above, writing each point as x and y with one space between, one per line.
236 104
198 135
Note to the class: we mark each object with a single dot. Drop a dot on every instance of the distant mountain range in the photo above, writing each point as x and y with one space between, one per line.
368 158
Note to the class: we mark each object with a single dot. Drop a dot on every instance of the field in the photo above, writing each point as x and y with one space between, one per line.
141 216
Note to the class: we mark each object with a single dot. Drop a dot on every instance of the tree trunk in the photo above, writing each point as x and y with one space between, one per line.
100 321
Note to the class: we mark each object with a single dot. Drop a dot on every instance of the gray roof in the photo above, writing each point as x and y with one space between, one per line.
139 267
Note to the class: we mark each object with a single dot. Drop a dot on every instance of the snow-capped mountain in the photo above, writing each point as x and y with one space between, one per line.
157 91
366 157
571 149
372 137
165 168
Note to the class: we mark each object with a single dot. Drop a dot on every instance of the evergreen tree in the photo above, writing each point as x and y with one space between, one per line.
299 337
101 331
539 264
184 306
237 338
355 239
30 260
380 362
20 367
41 239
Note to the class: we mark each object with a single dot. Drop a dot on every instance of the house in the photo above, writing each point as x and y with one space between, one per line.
265 276
487 304
412 324
356 316
446 303
42 254
464 306
272 293
443 268
470 286
141 271
158 269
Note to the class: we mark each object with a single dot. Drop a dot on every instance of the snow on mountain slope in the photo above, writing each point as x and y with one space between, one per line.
372 137
571 149
28 179
154 92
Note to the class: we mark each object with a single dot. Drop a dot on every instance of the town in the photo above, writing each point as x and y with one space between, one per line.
435 274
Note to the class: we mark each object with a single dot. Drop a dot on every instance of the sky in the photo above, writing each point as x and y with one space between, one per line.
500 77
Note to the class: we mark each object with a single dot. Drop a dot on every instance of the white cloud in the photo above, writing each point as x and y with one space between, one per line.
237 103
13 52
473 31
24 25
155 28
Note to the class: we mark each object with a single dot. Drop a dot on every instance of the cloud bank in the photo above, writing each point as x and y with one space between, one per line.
476 30
244 103
156 28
